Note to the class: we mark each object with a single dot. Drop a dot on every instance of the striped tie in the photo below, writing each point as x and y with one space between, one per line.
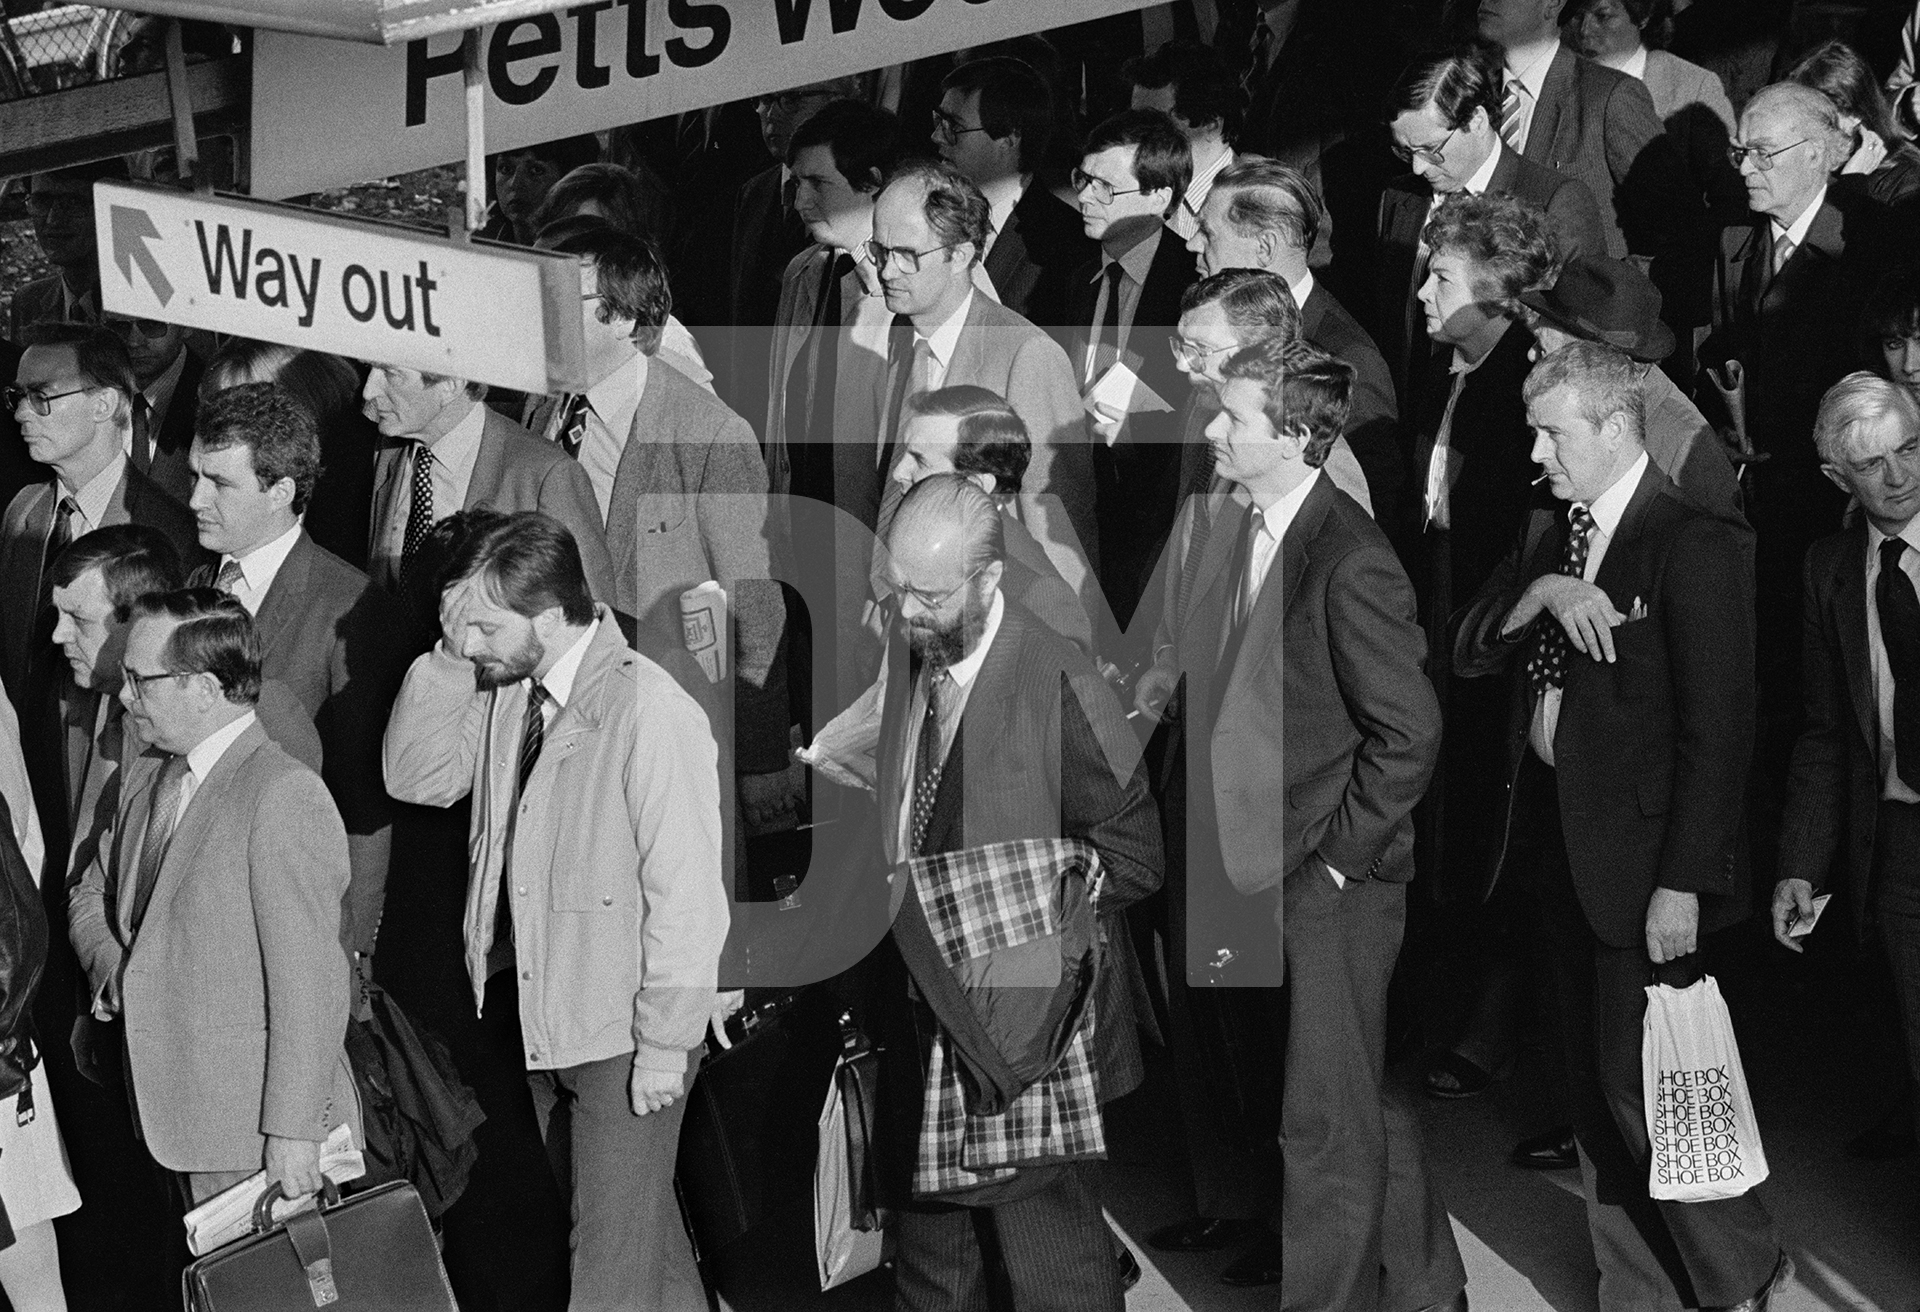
1513 115
533 736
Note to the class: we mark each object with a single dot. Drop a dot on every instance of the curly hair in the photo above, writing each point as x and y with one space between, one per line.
277 430
1508 243
1309 392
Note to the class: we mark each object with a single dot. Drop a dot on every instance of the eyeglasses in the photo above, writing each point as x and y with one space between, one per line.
1100 189
790 100
42 402
1192 355
137 682
949 129
908 259
935 603
1762 157
1431 154
151 329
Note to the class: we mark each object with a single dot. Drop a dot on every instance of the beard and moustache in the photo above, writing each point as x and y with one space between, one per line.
942 643
515 666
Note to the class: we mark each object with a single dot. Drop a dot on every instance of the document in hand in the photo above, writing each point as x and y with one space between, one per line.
1120 392
228 1215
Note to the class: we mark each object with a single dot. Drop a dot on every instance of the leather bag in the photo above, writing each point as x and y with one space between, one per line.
370 1252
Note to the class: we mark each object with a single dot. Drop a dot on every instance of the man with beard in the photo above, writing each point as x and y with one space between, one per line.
595 907
997 730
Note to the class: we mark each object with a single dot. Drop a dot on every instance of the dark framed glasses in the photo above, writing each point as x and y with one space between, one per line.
42 402
1100 189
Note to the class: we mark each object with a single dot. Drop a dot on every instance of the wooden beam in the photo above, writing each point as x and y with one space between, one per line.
61 128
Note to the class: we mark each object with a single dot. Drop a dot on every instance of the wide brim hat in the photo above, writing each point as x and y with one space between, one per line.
1608 301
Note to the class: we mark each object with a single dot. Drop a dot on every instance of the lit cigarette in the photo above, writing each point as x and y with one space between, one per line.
1538 481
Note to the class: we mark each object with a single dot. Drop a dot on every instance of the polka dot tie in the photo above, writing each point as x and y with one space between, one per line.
230 577
420 508
928 762
1547 667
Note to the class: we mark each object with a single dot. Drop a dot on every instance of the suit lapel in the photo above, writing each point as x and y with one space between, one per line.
1620 566
982 724
1849 587
1555 90
207 802
629 476
1281 588
489 463
278 607
1226 512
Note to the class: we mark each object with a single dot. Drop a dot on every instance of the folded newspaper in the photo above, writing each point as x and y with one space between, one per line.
228 1215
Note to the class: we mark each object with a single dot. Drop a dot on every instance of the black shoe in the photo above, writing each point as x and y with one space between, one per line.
1888 1141
1259 1265
1202 1234
1553 1151
1129 1269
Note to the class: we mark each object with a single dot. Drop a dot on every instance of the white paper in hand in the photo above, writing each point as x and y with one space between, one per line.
1118 393
228 1215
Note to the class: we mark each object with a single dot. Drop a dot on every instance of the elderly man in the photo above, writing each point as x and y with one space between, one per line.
1263 215
1851 796
999 731
1630 625
209 917
1444 116
595 906
929 226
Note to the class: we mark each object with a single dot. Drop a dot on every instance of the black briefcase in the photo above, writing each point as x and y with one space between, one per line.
371 1252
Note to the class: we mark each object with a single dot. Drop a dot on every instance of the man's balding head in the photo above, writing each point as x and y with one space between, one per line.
945 552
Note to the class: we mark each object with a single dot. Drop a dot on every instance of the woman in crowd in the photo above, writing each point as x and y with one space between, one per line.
522 179
1884 158
1892 322
337 516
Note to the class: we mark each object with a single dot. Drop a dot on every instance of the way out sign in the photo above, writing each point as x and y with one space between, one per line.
352 287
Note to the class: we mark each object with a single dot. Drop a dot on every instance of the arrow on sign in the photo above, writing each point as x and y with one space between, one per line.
131 230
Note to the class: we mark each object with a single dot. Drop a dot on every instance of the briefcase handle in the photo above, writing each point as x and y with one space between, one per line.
308 1233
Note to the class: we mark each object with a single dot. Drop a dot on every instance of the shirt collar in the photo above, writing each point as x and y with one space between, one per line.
1796 232
260 565
1483 176
207 752
559 680
1875 539
942 340
1279 512
1609 506
1636 64
963 672
458 448
1136 259
98 492
1302 289
1203 177
619 390
1533 75
1002 195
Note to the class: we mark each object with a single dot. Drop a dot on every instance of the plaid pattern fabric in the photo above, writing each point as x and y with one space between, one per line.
978 901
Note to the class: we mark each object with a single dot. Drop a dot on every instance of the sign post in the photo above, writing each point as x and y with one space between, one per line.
352 287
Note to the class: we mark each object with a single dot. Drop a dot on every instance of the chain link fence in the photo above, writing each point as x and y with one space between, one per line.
52 47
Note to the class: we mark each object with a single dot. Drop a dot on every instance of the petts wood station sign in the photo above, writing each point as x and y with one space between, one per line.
328 113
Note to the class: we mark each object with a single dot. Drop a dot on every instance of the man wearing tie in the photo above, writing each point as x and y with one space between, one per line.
929 227
1629 623
324 629
163 409
1304 687
209 917
446 452
1854 788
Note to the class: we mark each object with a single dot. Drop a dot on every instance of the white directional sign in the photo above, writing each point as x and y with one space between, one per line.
352 287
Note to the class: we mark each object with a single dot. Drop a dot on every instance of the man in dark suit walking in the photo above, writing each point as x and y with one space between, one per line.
1851 792
1300 615
1122 306
1626 629
996 729
326 632
1444 116
1263 215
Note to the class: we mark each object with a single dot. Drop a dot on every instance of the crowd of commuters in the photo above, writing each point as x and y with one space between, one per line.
1423 519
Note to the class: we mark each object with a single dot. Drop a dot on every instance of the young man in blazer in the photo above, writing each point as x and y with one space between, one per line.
1444 116
326 632
210 915
1626 631
1302 655
1851 797
595 905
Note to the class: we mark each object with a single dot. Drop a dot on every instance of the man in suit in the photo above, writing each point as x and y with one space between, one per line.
596 793
60 204
1626 629
1191 84
447 452
996 729
163 409
994 123
325 631
929 226
1850 799
1598 125
210 916
1122 306
1444 116
1300 615
682 489
1267 216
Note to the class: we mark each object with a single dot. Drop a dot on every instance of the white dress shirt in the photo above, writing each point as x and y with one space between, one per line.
1531 76
205 755
1482 177
1606 511
963 673
940 343
1185 220
1892 787
258 568
611 404
1796 232
1002 196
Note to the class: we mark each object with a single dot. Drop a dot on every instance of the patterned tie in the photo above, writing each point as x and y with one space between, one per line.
231 577
1513 114
1547 667
420 508
533 733
165 813
927 761
1899 609
571 431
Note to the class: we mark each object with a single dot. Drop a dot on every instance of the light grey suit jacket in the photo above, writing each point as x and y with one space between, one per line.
513 471
234 983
